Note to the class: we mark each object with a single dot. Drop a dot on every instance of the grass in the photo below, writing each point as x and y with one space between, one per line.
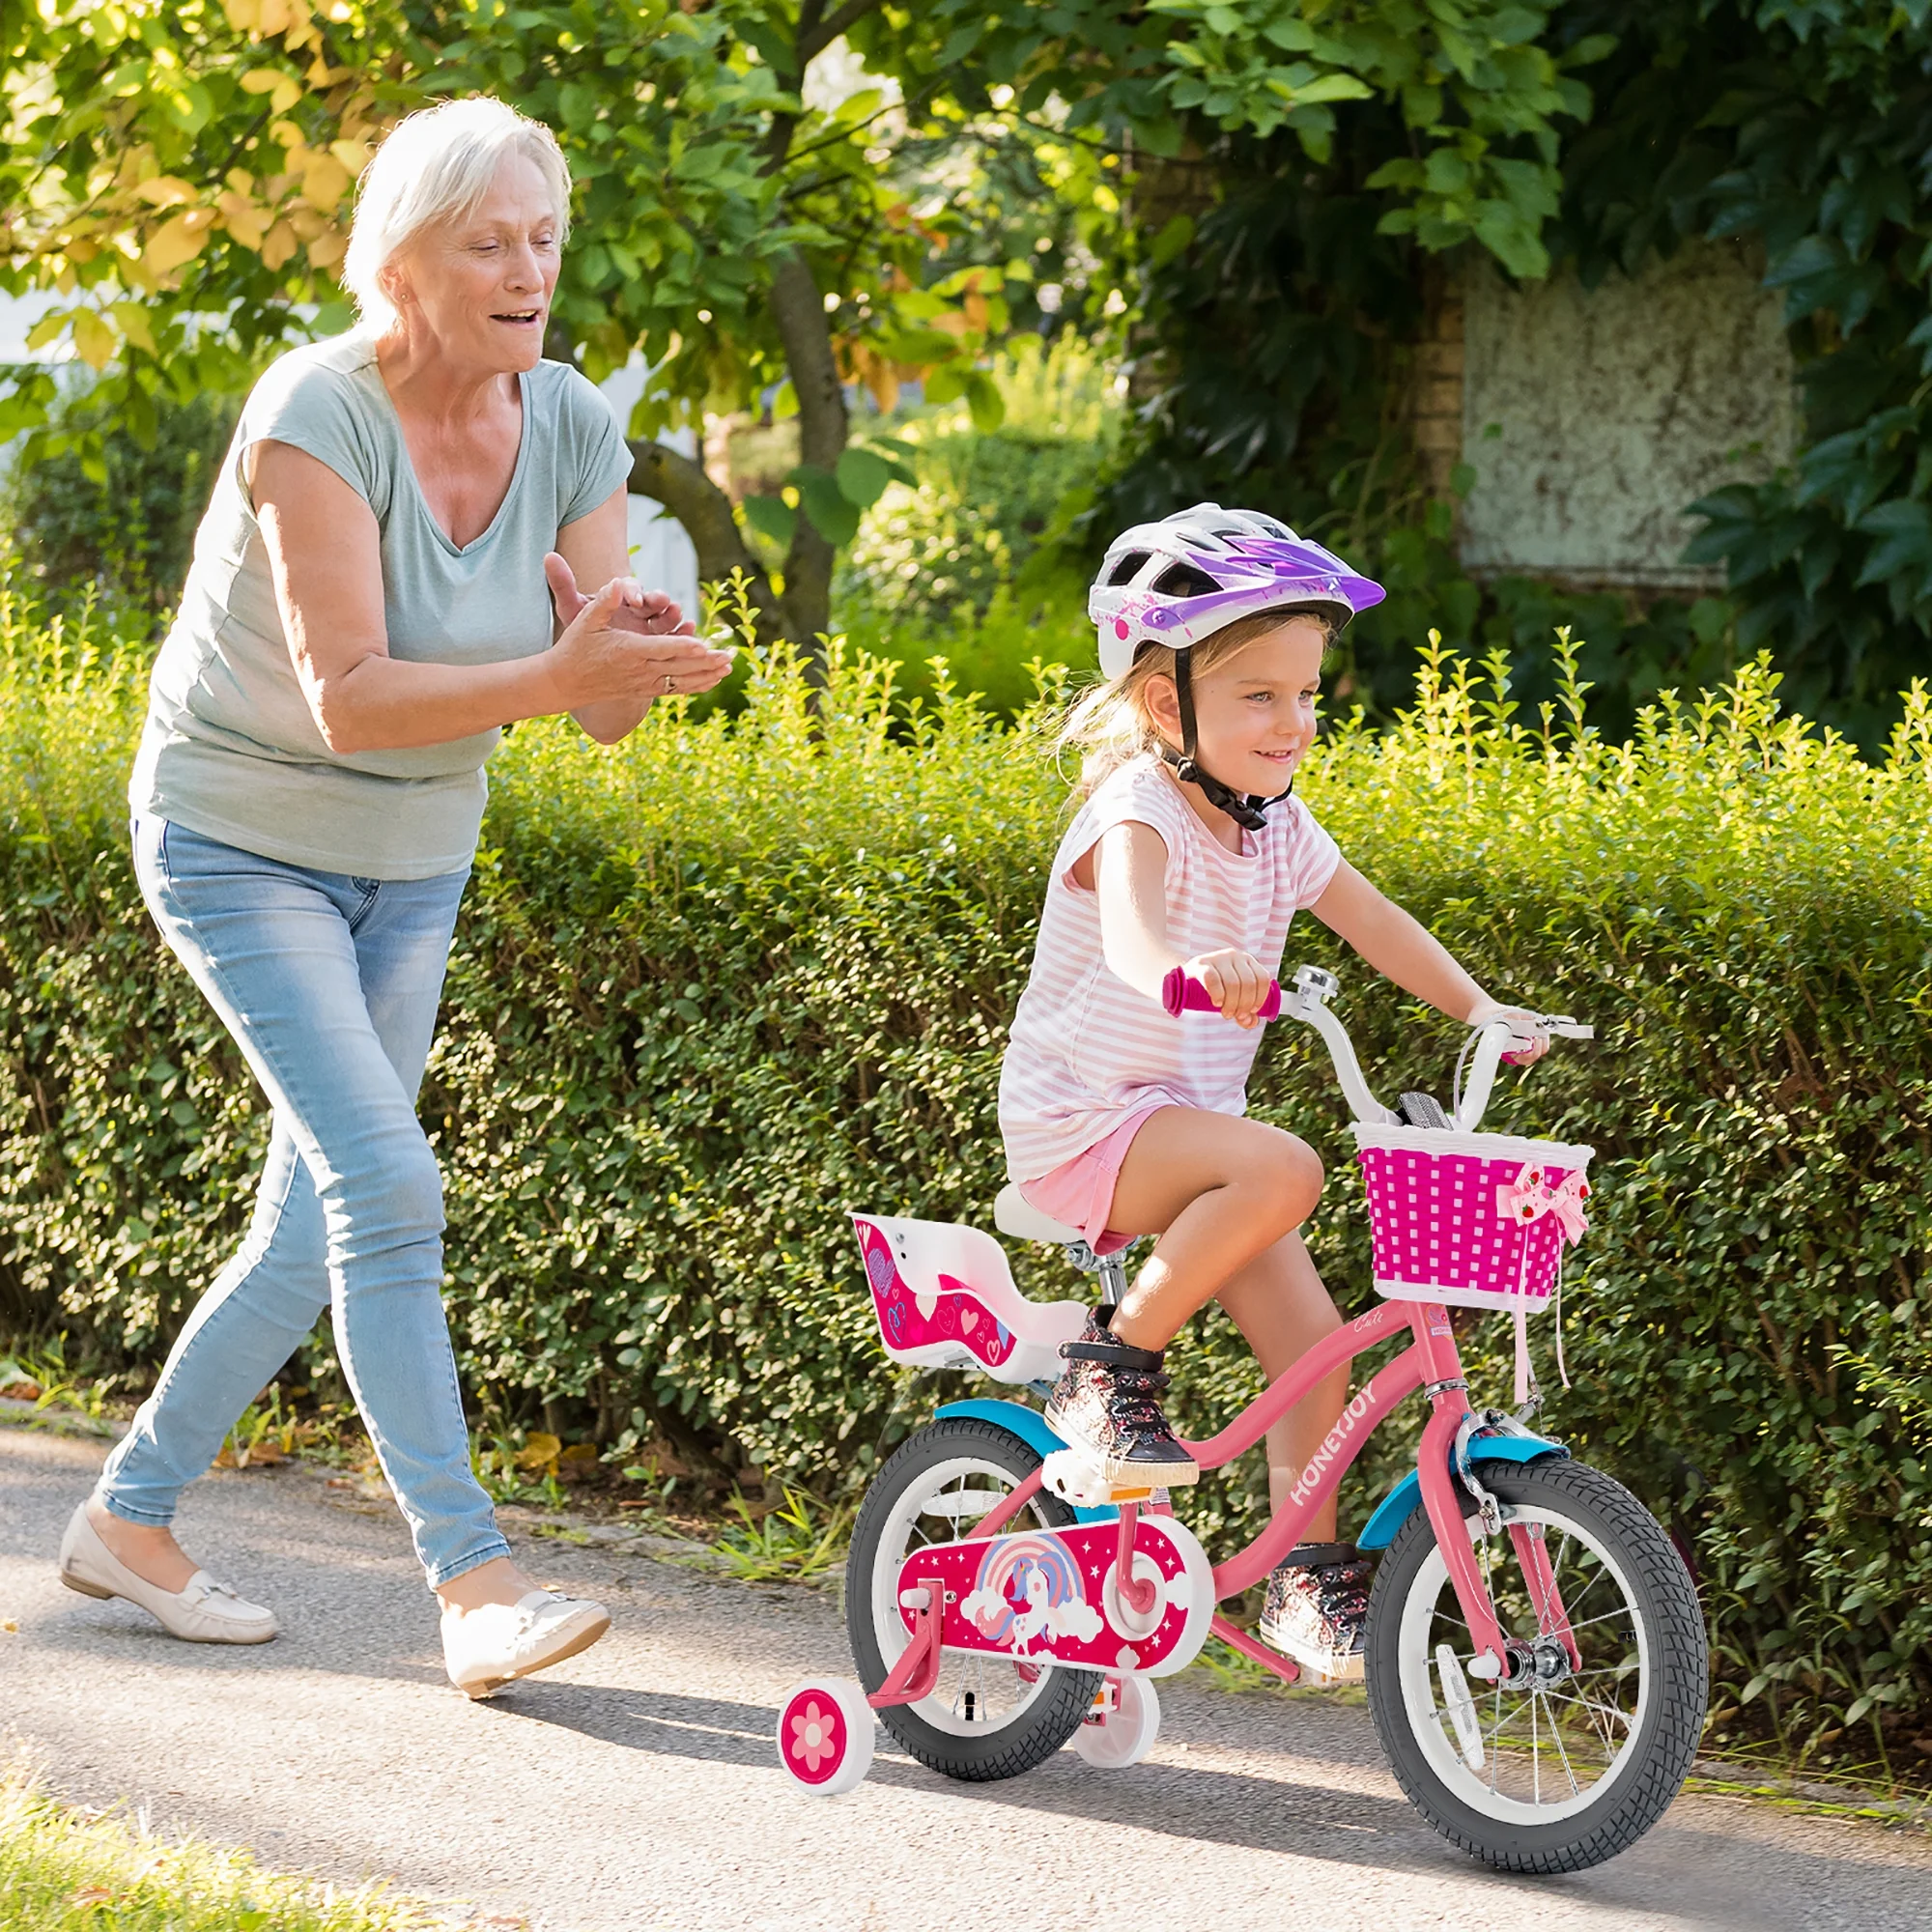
42 1377
68 1870
798 1541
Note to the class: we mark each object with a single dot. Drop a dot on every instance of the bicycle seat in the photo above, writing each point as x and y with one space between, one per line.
1016 1215
945 1298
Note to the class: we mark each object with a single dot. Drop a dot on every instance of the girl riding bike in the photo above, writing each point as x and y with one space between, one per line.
1189 858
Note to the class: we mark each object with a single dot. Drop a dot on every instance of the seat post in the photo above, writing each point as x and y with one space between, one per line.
1111 1269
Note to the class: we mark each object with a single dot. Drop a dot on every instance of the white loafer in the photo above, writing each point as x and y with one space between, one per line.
485 1649
204 1612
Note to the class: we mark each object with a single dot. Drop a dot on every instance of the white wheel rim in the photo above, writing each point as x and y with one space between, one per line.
1566 1746
1125 1735
1000 1697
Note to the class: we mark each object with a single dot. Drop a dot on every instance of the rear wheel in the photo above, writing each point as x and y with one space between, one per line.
1576 1758
988 1717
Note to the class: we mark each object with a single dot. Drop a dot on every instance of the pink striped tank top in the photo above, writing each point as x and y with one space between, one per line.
1084 1050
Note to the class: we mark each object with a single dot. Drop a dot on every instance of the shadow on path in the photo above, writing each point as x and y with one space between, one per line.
1280 1815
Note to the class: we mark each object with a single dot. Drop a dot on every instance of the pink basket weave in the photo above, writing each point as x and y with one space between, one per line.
1441 1233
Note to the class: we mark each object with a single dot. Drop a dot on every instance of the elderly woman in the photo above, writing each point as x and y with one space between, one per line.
386 575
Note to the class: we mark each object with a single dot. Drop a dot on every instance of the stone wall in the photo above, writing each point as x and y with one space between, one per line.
1591 418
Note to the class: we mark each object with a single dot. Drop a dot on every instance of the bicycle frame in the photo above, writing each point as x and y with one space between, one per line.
1430 1363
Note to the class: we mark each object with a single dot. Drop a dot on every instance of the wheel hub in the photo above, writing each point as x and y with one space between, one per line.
1540 1665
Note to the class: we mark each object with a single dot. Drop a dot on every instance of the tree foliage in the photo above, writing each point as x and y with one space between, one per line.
1284 334
181 172
1808 129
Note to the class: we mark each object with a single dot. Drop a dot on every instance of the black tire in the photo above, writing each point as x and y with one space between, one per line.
1048 1712
1646 1734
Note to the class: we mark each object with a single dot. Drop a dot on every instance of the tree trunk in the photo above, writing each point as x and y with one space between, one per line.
679 483
806 330
803 611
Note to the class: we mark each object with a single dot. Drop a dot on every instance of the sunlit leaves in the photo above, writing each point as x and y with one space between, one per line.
93 339
1259 65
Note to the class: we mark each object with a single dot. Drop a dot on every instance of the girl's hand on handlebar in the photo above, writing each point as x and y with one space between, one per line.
1237 982
1529 1039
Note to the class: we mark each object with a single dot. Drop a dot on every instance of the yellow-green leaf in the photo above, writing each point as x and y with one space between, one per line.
179 240
325 179
93 339
165 191
135 324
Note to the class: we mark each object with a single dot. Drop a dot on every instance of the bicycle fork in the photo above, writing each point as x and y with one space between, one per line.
1447 1390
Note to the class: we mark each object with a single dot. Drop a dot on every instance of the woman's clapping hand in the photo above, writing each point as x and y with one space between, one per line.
625 643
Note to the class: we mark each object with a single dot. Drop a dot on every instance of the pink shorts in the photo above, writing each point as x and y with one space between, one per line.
1081 1191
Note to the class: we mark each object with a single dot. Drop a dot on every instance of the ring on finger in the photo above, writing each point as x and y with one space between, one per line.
670 682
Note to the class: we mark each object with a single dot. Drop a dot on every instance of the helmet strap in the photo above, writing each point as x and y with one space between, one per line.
1248 809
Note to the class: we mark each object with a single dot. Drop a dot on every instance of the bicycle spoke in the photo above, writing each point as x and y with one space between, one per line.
1582 1595
1557 1561
1592 1704
1606 1617
1601 1712
1502 1724
1555 1732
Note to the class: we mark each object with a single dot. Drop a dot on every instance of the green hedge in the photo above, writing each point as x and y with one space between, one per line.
715 989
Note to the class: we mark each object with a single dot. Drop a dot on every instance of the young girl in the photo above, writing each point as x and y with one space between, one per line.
1189 853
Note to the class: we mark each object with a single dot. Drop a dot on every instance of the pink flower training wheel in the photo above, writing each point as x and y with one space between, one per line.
825 1734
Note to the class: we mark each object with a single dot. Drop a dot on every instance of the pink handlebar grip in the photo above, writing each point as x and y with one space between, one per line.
1178 994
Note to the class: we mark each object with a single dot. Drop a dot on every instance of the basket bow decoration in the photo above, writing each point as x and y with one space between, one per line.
1529 1198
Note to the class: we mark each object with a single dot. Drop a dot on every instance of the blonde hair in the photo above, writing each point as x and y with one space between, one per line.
436 167
1112 724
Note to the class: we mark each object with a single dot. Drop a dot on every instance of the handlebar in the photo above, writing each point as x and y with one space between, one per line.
1313 989
1308 1002
1180 992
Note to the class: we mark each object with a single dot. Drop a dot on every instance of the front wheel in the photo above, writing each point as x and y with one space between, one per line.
1576 1761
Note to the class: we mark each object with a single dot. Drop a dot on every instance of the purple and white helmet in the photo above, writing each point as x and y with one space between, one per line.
1182 579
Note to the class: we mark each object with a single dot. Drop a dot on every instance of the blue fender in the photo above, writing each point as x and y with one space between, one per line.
1030 1426
1394 1509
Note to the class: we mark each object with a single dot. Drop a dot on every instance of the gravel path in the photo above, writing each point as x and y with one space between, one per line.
635 1785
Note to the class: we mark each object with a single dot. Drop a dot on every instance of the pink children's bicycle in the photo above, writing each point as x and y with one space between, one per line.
1536 1659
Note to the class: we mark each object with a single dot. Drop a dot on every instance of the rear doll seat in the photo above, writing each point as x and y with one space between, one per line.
945 1298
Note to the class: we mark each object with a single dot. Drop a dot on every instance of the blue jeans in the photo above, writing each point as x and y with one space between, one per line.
329 985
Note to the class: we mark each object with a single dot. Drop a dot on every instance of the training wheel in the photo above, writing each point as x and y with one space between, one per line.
825 1734
1112 1740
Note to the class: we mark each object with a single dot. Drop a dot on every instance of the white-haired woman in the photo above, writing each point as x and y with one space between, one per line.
385 576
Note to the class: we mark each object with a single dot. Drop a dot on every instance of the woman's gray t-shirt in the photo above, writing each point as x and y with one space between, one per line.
231 750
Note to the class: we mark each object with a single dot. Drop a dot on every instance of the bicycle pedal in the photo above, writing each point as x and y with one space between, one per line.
1070 1477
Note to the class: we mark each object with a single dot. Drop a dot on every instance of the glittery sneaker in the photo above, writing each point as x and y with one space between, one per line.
1317 1607
1107 1405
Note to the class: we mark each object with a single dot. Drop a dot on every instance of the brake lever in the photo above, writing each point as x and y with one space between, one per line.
1558 1026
